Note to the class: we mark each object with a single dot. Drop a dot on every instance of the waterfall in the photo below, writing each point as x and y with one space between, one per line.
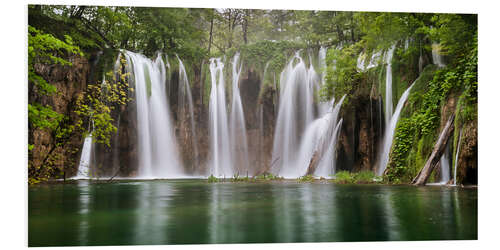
157 147
374 61
219 133
320 138
389 133
436 55
327 143
185 93
388 86
456 158
239 146
85 158
295 113
445 165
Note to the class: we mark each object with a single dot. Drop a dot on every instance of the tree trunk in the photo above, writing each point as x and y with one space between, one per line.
438 150
313 163
211 30
245 26
230 34
352 29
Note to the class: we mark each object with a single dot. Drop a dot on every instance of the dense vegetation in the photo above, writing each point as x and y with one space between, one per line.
263 37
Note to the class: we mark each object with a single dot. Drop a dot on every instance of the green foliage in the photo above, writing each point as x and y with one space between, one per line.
99 100
403 140
267 177
46 49
212 179
455 32
256 55
362 177
237 178
342 79
306 178
421 126
381 30
43 117
343 177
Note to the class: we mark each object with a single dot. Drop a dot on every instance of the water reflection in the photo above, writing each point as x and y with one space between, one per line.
197 212
152 217
392 222
84 200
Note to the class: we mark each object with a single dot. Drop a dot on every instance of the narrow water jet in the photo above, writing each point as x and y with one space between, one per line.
456 158
390 128
445 165
85 158
388 85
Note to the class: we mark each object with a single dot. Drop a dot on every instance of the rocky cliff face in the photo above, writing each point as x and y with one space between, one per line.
70 82
467 159
361 133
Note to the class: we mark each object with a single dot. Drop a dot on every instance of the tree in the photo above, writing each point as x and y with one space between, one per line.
46 49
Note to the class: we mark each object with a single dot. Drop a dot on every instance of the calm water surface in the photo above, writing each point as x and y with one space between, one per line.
194 212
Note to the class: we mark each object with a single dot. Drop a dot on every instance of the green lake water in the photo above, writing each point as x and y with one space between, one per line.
197 212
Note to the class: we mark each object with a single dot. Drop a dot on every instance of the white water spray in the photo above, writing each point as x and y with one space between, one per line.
445 165
389 133
157 147
388 86
436 55
456 158
294 115
239 146
221 163
85 158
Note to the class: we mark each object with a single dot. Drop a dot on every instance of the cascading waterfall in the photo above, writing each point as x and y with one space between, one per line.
389 133
239 146
321 138
185 93
436 55
456 158
157 147
221 163
295 113
388 85
298 136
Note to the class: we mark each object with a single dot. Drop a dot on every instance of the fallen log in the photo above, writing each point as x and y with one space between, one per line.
437 151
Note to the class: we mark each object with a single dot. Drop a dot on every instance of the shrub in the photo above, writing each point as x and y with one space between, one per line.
212 179
306 178
364 177
343 177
